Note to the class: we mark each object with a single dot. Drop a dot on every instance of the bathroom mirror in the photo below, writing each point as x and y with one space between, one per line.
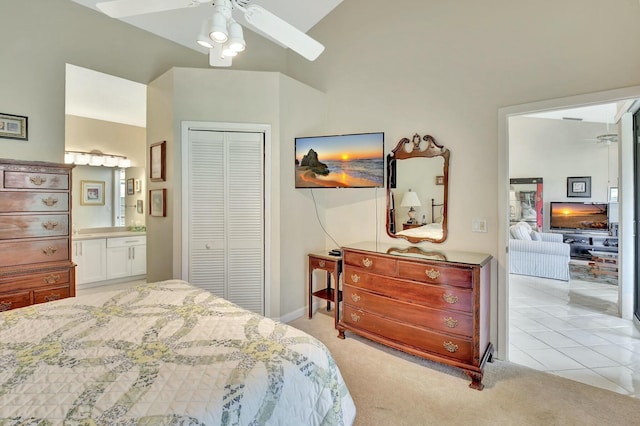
417 190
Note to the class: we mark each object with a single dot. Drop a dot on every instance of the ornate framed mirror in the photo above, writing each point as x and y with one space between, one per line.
417 190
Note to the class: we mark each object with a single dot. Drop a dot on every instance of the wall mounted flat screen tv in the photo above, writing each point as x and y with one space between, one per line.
340 161
579 216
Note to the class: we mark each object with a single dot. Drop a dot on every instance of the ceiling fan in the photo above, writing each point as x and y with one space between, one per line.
225 38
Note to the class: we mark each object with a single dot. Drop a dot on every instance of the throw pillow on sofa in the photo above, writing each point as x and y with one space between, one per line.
520 232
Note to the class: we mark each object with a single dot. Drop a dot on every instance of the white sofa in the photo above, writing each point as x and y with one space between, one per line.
538 254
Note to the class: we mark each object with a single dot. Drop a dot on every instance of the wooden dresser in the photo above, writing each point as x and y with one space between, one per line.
35 218
431 304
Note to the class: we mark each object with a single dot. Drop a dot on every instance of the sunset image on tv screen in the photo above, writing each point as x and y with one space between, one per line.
579 216
355 161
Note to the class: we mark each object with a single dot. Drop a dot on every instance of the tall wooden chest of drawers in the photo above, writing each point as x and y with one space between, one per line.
431 304
35 245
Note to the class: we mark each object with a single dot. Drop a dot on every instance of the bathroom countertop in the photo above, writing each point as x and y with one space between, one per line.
116 234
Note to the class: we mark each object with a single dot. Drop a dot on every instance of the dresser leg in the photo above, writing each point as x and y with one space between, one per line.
341 333
476 380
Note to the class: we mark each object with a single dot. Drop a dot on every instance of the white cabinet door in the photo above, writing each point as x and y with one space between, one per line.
119 262
139 260
90 256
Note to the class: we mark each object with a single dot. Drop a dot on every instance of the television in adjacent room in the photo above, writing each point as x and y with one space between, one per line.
579 216
340 161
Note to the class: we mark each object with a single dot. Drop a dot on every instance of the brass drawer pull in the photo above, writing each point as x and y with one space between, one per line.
355 278
49 251
367 262
50 201
37 180
355 297
450 347
5 306
50 225
52 297
450 322
322 263
432 273
355 317
450 298
51 279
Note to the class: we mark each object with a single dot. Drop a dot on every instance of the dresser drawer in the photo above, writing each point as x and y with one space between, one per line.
409 335
436 274
13 201
50 294
30 226
370 262
14 300
32 180
434 296
35 280
441 320
323 264
29 252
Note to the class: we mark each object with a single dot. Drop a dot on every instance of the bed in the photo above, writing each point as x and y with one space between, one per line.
430 230
163 353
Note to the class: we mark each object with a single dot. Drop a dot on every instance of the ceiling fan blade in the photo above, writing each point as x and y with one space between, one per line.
215 57
125 8
283 32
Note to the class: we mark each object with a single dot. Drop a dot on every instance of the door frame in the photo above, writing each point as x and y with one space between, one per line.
502 296
265 129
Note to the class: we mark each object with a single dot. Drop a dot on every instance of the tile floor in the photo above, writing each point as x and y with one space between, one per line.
573 330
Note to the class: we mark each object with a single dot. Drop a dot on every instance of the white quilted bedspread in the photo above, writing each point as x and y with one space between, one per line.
165 353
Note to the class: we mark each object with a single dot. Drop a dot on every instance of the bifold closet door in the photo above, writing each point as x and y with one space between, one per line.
226 215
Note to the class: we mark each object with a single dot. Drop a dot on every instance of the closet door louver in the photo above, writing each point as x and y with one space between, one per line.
226 215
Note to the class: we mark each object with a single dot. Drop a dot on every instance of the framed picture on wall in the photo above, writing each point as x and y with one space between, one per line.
138 186
130 186
579 187
158 202
13 127
158 161
140 206
92 193
613 194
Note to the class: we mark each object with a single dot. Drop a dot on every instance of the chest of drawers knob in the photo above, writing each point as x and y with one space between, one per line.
50 225
50 201
450 347
450 322
37 180
355 278
355 298
355 317
52 297
322 264
432 273
368 263
450 298
51 279
49 251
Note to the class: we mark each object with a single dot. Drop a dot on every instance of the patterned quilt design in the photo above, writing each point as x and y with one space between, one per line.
164 353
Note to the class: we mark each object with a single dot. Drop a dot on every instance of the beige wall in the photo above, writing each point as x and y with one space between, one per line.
444 68
223 96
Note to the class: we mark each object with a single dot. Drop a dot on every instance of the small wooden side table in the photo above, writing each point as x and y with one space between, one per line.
333 266
604 263
406 226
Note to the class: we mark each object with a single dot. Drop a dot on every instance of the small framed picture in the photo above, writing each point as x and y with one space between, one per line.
140 206
439 180
130 186
579 187
13 127
613 194
138 186
158 202
92 193
158 161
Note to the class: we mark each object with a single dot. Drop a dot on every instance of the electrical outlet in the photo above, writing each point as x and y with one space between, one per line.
479 225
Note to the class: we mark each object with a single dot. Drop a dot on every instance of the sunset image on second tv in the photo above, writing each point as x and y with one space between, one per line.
341 161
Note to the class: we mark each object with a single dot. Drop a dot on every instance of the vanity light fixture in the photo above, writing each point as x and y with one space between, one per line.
410 199
96 158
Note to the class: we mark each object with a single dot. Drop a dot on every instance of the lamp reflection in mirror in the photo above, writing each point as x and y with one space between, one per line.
410 199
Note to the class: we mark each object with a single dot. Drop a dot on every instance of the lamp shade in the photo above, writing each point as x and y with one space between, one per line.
410 199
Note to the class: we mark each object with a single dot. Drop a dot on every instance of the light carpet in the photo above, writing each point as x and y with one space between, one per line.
390 387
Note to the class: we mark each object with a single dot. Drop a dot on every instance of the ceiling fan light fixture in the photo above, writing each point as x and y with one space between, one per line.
218 31
236 37
228 52
203 37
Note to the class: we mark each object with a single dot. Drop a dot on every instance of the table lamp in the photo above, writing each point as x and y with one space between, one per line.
410 199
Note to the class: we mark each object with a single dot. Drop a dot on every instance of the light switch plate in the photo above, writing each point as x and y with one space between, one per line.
479 225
